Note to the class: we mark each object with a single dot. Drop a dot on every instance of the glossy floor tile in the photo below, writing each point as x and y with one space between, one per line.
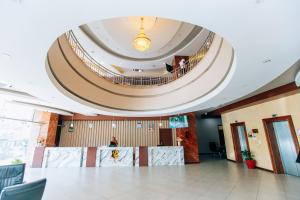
216 179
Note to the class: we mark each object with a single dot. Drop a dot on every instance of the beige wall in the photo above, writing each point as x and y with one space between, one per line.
253 115
101 132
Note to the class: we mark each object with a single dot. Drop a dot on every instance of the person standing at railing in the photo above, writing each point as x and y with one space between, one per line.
182 66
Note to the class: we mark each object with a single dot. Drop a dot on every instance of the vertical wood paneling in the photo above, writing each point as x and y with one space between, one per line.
101 133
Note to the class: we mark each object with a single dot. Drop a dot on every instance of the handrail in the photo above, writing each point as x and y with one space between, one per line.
120 79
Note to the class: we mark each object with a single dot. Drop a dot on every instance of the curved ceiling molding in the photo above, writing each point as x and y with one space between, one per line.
101 94
185 41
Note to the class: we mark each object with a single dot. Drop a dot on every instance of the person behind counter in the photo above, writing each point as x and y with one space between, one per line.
113 142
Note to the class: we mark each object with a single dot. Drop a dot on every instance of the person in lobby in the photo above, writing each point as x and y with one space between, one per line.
113 142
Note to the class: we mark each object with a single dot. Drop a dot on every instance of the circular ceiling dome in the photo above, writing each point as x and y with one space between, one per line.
81 65
111 41
117 34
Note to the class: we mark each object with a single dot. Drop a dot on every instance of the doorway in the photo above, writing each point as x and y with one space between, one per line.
222 146
240 139
283 145
165 137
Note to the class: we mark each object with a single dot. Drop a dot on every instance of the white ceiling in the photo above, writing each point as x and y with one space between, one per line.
110 41
118 34
258 30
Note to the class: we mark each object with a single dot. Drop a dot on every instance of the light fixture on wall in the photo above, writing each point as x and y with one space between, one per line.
113 123
160 123
71 125
142 42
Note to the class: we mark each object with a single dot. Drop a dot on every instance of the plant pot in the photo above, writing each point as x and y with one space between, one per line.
250 164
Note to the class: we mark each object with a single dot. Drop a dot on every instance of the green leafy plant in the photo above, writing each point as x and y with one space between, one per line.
247 155
16 161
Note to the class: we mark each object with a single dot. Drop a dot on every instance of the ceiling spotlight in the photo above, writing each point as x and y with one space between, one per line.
142 41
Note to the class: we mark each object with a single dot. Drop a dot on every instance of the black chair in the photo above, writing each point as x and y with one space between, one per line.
27 191
11 175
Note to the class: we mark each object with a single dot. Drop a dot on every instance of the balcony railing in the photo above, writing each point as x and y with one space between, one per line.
137 81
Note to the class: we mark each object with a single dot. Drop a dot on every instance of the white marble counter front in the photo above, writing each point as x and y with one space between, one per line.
165 155
55 157
104 157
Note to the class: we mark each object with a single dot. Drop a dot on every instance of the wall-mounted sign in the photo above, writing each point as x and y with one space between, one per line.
252 133
254 130
139 124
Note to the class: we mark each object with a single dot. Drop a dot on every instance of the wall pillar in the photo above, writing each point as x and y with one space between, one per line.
189 136
52 127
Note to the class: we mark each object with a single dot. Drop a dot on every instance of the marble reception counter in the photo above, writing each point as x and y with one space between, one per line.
123 156
56 157
165 156
159 156
64 157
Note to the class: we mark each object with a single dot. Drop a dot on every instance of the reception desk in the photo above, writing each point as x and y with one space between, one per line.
159 156
124 157
65 157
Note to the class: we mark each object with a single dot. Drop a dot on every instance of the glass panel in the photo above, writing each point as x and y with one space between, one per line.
286 147
18 134
242 137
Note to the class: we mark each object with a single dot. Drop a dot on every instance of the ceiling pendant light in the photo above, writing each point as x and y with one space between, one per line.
141 41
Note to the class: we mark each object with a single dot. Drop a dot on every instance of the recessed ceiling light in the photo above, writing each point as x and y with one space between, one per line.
5 56
266 61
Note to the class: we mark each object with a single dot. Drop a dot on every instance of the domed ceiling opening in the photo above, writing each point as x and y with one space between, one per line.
111 43
98 65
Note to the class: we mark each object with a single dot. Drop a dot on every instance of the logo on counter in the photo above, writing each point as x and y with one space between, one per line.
115 154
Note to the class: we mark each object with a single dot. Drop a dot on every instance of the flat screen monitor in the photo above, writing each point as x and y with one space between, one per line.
178 121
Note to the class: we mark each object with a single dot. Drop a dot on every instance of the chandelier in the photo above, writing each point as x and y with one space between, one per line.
141 41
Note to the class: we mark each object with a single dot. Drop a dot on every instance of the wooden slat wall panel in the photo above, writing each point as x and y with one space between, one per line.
102 132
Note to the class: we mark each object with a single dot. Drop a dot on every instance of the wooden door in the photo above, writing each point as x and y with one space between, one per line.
143 156
236 140
165 136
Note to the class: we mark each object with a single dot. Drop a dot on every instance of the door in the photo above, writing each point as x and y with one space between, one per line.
286 146
240 140
283 144
165 136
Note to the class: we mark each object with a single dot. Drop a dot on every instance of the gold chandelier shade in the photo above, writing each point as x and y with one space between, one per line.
142 41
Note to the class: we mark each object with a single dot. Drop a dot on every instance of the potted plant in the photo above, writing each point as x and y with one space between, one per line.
248 157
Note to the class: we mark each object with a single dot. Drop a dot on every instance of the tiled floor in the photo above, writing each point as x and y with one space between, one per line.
209 180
